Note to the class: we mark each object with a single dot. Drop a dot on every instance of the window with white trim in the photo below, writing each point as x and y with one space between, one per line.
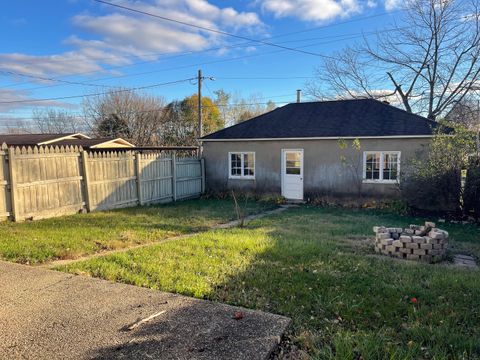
241 165
381 166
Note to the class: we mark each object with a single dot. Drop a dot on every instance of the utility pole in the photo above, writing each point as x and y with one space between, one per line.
199 133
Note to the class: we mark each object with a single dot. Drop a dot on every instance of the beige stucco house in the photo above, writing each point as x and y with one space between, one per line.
305 149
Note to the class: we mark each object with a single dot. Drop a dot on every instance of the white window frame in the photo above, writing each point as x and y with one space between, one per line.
242 161
382 157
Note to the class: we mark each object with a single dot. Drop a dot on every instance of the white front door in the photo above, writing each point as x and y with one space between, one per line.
292 174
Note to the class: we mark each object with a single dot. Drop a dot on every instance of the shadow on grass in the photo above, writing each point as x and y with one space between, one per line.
78 235
310 264
346 305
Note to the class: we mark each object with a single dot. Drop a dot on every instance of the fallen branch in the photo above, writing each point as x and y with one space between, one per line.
143 321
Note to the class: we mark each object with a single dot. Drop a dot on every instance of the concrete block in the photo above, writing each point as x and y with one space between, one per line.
387 242
409 231
413 257
445 233
412 246
399 230
390 230
405 250
381 236
437 246
418 239
377 229
405 239
436 235
419 252
426 246
390 248
429 224
431 240
397 243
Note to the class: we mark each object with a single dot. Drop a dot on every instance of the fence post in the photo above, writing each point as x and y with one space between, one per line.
13 183
202 164
86 180
138 167
174 176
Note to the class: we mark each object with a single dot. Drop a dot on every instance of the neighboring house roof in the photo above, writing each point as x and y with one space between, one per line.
37 139
97 143
329 119
76 139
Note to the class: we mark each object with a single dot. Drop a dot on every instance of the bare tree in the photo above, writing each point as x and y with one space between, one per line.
466 113
234 108
52 121
142 116
429 62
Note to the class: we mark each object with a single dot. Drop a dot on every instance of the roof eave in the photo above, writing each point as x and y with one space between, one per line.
323 138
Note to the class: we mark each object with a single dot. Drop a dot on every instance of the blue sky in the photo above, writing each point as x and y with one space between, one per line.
97 46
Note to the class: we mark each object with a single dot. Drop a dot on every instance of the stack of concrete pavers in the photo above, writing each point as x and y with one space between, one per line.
422 243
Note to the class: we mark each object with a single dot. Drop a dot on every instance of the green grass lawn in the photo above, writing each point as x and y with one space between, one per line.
316 266
77 235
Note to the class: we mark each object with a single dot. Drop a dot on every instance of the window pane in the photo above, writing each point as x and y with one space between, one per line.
248 172
293 156
293 163
236 164
293 170
390 166
372 166
248 164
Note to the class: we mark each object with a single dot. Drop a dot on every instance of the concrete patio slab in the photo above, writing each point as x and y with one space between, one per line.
51 315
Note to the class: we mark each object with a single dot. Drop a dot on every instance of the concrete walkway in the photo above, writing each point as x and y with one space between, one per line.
51 315
228 225
465 261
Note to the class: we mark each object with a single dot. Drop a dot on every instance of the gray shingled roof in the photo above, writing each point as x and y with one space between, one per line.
340 118
28 139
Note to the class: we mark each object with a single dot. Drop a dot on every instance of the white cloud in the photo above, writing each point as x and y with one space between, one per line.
119 34
9 95
117 37
147 34
393 4
311 10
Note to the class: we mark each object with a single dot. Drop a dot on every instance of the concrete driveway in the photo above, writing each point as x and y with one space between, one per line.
51 315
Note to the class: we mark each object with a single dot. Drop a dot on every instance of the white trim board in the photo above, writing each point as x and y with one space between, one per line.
323 138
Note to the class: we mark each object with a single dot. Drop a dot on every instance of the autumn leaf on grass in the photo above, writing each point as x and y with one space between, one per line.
238 315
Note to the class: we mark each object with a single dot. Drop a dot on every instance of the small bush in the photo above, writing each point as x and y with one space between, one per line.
436 192
471 194
432 179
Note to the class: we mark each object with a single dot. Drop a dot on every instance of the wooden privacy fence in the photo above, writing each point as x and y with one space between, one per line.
42 182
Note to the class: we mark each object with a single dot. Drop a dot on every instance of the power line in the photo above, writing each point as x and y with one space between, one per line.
238 45
264 78
201 64
96 94
163 108
315 28
50 79
350 36
205 28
